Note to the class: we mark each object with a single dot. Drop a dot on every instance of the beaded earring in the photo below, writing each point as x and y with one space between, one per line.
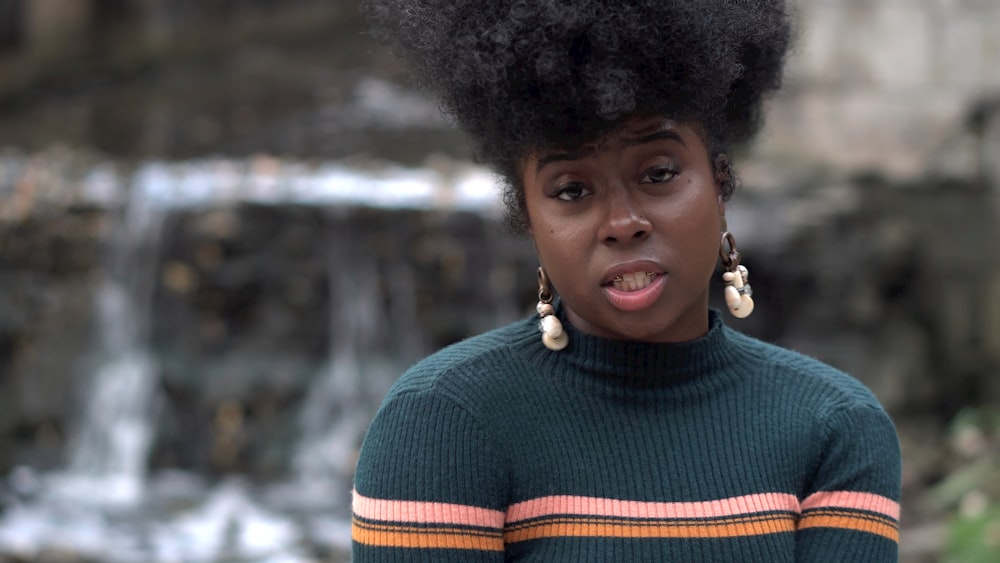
738 292
553 336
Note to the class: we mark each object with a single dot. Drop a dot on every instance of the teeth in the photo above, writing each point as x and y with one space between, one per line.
634 281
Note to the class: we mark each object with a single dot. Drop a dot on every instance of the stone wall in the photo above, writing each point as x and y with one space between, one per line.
243 306
48 270
889 105
38 36
868 215
887 85
872 276
891 86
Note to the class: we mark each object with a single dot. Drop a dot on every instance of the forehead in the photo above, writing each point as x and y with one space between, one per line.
633 131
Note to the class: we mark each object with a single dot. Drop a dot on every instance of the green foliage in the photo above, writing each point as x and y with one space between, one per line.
973 488
975 539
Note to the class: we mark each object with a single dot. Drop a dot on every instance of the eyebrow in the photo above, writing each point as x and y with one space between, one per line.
549 158
659 135
662 134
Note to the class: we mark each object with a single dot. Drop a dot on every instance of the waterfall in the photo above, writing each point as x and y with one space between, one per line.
107 460
370 341
105 504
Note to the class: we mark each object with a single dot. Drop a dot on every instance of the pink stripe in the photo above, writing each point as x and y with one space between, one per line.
850 499
415 512
591 506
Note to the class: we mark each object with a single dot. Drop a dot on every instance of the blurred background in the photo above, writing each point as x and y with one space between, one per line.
226 226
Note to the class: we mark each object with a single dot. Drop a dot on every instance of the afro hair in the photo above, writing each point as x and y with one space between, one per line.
521 76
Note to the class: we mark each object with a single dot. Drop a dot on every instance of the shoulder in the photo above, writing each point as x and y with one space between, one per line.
478 361
450 399
807 379
842 424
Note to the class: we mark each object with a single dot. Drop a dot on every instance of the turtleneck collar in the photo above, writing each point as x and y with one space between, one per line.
644 364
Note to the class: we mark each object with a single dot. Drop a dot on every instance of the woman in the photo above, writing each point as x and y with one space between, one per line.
624 421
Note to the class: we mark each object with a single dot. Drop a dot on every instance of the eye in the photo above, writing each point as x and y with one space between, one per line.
659 174
571 191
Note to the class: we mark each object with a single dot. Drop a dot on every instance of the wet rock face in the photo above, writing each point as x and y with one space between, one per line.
872 84
251 304
268 322
185 79
274 279
899 290
48 267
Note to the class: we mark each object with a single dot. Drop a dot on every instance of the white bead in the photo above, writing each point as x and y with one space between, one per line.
552 326
545 309
555 343
739 305
746 307
732 298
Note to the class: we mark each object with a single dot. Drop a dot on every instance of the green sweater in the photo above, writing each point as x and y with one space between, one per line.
722 449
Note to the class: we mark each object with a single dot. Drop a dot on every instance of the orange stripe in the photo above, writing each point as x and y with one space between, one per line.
426 538
878 526
852 499
594 506
586 527
425 512
567 516
648 522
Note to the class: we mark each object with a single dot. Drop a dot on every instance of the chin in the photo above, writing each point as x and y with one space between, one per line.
644 332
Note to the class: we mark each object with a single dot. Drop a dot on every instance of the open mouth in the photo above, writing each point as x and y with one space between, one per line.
633 281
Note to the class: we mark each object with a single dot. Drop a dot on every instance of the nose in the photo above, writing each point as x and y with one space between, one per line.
623 220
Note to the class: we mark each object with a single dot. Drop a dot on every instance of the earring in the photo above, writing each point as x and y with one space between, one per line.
553 335
738 292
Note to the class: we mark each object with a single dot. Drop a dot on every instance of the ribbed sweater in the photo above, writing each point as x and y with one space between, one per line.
722 449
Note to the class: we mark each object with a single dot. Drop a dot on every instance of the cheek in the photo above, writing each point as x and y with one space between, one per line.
561 256
693 231
692 215
711 237
552 248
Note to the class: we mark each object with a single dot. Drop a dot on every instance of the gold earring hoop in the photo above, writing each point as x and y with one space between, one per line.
738 291
554 337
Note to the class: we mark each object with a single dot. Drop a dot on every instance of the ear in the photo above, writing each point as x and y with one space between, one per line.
723 176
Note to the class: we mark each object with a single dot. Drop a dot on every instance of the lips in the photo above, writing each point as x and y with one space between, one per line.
635 286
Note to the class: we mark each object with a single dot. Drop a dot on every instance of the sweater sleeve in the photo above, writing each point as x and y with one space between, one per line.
428 486
851 510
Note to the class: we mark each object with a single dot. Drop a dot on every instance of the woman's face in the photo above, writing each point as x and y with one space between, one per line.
628 231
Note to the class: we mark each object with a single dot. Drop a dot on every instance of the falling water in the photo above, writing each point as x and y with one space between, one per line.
107 462
365 357
103 505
